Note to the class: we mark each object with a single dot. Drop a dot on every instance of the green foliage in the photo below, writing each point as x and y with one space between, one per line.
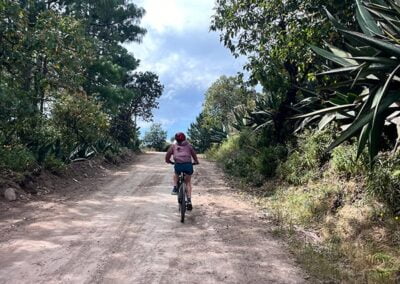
275 35
235 160
344 161
220 117
17 158
269 159
199 135
67 82
275 38
155 138
384 181
221 98
140 98
79 120
53 164
301 206
240 157
369 67
304 163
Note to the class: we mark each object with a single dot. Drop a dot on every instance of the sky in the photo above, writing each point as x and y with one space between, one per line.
186 56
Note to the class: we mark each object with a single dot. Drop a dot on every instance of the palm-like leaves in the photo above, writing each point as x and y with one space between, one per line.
373 64
261 116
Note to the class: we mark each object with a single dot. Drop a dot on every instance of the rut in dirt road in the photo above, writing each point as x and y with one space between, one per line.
128 231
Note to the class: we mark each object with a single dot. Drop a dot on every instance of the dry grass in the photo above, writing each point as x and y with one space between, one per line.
357 240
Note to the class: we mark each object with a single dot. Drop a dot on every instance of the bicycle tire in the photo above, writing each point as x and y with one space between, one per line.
182 205
179 196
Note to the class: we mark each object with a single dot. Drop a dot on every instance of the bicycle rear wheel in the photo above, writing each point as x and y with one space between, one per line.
182 204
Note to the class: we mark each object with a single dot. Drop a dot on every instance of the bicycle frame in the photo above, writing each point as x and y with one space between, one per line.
182 195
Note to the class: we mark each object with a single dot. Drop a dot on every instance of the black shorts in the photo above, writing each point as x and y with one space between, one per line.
186 168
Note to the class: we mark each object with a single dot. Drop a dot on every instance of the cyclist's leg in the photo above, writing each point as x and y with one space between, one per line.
175 188
175 179
188 181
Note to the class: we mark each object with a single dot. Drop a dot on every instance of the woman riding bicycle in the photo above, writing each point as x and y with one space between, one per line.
183 153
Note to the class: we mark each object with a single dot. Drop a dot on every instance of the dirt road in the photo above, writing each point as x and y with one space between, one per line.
127 230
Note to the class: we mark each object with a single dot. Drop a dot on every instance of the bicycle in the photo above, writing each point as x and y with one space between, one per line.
182 194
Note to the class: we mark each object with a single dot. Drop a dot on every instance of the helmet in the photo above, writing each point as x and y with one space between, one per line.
180 137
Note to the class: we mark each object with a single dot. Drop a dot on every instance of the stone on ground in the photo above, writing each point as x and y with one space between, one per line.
10 194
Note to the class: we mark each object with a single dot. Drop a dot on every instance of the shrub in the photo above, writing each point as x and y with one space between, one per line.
384 181
345 163
269 159
304 163
54 165
80 122
17 158
240 156
302 205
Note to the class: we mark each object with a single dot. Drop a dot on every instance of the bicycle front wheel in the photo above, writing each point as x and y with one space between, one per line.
182 204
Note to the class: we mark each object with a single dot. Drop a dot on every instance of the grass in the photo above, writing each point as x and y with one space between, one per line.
353 212
358 239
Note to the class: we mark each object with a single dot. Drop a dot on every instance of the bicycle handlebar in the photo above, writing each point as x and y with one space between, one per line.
173 163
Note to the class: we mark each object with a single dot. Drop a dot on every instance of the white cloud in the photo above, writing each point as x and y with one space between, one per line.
173 58
178 15
166 122
170 93
179 48
144 124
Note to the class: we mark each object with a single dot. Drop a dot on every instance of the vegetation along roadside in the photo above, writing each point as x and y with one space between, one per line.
312 133
69 89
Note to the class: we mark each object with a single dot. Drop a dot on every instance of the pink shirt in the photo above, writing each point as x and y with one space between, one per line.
183 153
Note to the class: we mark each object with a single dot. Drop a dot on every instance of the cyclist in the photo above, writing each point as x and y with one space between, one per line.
183 153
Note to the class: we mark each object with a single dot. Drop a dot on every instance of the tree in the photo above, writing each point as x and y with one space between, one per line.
199 135
110 23
145 90
156 137
79 122
275 36
65 75
140 98
221 98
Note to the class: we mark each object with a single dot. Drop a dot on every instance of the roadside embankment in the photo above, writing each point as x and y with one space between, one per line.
340 217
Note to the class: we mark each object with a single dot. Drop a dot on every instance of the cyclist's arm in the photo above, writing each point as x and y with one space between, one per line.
169 154
194 155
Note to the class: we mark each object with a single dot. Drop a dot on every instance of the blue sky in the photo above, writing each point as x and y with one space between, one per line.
187 57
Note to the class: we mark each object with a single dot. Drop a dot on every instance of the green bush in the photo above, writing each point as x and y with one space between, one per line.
302 205
304 163
80 122
242 157
384 180
16 158
54 165
269 159
345 163
235 160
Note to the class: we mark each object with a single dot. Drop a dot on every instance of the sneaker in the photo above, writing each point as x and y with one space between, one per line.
174 191
189 206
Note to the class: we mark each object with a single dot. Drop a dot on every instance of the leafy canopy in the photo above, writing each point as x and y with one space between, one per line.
156 137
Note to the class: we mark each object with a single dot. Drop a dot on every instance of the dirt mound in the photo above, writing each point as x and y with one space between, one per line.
40 182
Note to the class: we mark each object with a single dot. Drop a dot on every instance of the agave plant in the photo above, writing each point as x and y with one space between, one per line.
368 98
263 114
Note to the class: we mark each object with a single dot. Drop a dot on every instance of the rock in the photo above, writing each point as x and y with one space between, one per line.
10 194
